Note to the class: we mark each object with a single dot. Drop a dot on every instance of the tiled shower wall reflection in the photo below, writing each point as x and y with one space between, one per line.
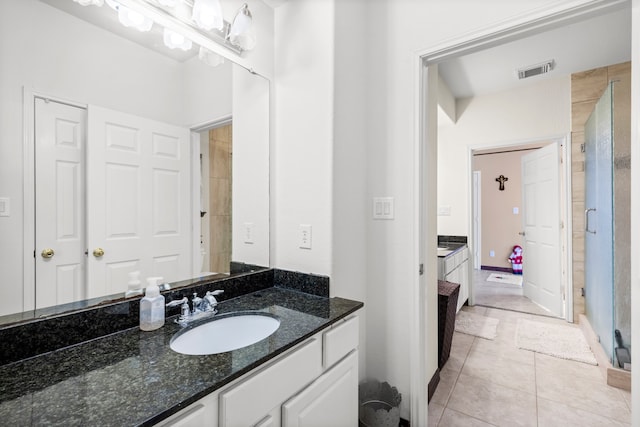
220 152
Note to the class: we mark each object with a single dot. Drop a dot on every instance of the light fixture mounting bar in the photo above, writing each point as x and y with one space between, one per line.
190 30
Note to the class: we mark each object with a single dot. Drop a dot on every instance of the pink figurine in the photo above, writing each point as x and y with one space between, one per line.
516 260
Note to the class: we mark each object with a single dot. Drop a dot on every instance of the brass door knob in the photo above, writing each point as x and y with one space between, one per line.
98 252
47 253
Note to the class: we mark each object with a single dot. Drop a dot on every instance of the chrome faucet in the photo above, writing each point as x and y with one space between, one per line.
201 307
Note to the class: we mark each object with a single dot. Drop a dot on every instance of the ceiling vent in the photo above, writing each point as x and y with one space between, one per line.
536 70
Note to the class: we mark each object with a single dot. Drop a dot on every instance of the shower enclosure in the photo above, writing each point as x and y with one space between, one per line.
607 217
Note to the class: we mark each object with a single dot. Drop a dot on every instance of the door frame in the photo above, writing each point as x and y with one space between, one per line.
565 204
196 229
475 242
425 141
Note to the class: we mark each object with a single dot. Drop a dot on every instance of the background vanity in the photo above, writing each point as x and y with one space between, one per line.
453 264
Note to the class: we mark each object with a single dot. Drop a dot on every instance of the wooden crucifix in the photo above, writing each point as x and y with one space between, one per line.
501 179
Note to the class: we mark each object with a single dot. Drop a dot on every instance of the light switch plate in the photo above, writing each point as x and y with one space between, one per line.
383 208
5 206
444 210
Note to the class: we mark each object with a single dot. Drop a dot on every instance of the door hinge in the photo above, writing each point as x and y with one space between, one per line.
582 291
582 149
421 269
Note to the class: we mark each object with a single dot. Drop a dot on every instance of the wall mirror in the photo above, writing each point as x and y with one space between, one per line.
118 155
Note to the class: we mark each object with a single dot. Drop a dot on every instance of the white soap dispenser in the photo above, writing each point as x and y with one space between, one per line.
152 306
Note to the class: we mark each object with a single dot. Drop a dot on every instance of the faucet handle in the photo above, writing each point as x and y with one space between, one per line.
177 302
211 299
184 309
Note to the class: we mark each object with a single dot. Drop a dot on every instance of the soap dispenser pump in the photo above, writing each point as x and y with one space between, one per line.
152 306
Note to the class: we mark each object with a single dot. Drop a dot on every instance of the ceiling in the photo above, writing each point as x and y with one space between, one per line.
592 43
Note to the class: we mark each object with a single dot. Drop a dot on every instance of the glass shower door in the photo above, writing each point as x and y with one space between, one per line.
599 214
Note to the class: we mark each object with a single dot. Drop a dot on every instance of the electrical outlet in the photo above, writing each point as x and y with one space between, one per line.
492 253
248 232
305 236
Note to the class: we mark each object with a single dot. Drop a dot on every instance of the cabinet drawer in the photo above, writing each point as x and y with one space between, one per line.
340 340
248 402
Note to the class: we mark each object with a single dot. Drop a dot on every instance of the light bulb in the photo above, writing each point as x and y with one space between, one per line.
241 22
134 19
209 57
207 14
175 40
90 2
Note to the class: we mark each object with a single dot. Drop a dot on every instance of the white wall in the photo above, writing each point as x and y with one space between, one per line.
351 203
250 182
307 109
208 91
535 112
302 159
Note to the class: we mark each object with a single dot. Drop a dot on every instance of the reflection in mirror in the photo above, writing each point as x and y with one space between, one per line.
112 181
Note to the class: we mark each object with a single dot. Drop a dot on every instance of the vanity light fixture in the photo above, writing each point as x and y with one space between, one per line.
240 33
174 40
90 2
131 18
207 14
209 57
196 21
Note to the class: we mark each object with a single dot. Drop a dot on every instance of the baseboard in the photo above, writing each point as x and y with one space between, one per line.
433 384
615 377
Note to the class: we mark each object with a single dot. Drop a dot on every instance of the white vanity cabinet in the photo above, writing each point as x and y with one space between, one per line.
454 268
313 384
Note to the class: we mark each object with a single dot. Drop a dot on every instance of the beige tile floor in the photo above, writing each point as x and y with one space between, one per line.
502 295
493 383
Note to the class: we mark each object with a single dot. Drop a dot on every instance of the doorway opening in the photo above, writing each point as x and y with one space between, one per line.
426 142
499 278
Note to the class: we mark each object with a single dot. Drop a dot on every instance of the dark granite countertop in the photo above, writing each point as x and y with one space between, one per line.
133 378
449 248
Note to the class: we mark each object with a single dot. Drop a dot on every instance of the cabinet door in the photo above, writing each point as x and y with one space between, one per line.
463 276
203 413
251 400
331 400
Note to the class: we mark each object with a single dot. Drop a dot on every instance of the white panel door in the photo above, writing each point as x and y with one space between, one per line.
542 281
139 200
59 176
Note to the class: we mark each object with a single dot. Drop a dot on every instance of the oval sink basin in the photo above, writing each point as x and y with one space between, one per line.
222 334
